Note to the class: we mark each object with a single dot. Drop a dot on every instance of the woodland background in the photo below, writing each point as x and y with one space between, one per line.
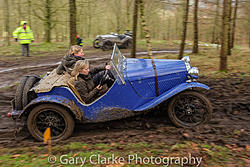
49 19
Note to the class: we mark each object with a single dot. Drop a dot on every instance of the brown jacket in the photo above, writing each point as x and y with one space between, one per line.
86 88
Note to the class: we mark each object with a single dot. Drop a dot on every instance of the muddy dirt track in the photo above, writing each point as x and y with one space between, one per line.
230 124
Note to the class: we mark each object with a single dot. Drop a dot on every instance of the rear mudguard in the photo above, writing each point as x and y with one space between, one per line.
168 94
60 100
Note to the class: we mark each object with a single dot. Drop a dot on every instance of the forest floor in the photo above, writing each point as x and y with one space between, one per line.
224 141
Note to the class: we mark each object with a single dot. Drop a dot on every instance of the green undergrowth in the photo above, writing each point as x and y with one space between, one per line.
132 154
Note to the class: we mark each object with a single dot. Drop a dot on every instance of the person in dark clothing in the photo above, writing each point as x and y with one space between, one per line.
83 81
79 40
68 61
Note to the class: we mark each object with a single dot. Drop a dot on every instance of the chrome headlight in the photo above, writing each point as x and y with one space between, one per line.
193 71
186 60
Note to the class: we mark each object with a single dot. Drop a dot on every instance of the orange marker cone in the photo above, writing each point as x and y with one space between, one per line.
47 138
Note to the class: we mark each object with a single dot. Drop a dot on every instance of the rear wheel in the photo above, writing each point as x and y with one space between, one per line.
129 44
19 94
31 81
106 46
189 109
50 116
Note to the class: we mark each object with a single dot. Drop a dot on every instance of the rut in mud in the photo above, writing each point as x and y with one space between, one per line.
230 123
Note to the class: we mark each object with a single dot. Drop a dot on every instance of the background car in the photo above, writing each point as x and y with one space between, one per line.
106 42
53 102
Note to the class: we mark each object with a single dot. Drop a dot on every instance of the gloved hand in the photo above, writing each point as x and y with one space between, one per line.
32 40
16 39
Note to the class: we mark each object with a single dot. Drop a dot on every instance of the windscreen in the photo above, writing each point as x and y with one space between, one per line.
118 62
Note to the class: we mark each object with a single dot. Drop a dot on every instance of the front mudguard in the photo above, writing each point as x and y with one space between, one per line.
170 93
54 99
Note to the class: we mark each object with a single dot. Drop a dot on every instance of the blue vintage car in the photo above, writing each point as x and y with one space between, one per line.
139 86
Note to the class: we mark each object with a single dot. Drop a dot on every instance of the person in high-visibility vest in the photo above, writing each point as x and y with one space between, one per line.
24 35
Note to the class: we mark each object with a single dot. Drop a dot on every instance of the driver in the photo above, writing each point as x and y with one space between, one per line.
84 83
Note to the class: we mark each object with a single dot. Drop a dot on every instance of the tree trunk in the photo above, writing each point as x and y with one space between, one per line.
229 28
215 27
118 16
196 33
89 18
72 21
168 29
19 7
6 22
224 35
48 21
184 32
133 51
145 28
149 46
127 15
234 23
29 11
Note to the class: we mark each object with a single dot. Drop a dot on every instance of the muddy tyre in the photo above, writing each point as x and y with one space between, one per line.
19 94
54 116
96 43
105 47
30 82
189 109
129 44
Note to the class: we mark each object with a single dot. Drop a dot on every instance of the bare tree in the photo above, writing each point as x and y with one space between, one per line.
19 7
196 33
6 22
229 28
72 21
45 12
135 16
224 34
184 31
128 20
29 11
145 28
215 26
149 46
234 22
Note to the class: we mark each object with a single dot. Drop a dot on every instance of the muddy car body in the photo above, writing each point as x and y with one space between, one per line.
106 42
133 92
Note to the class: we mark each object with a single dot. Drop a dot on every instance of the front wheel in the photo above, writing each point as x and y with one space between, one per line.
189 109
50 116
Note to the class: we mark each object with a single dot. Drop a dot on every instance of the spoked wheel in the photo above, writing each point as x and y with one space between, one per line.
189 109
50 116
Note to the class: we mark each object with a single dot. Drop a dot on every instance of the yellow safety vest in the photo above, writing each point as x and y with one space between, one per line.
24 36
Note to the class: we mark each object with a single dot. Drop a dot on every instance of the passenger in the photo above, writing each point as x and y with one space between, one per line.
83 81
68 61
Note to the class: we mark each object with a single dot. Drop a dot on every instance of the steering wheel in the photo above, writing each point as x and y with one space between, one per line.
103 77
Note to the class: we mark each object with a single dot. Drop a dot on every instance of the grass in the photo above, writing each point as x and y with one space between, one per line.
133 154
